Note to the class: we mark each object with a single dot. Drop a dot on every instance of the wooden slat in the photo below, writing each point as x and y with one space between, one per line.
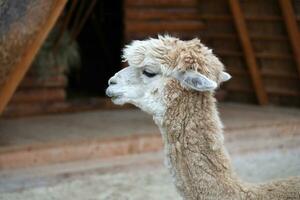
34 82
39 95
274 56
274 85
266 72
292 29
162 14
220 36
268 37
248 98
145 35
75 105
228 53
257 55
162 3
181 13
239 83
248 51
283 91
250 18
236 71
271 91
30 109
22 66
263 18
163 26
275 73
216 17
171 14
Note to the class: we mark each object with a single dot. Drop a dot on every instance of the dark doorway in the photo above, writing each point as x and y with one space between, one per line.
100 42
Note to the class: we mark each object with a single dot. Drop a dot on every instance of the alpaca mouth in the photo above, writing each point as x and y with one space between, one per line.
112 95
115 97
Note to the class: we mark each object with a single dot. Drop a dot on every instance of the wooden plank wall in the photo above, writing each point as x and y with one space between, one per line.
212 21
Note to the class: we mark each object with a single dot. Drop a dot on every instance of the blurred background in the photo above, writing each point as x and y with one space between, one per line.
83 50
58 113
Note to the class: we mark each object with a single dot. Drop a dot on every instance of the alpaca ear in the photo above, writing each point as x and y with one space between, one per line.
196 81
225 76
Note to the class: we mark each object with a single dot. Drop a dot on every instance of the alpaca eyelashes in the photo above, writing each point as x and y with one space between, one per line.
149 74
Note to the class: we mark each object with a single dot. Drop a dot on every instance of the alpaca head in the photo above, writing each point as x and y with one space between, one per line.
161 69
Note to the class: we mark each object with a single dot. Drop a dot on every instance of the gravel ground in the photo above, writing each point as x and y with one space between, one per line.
154 182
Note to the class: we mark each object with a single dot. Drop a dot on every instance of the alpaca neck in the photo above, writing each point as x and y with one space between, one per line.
196 156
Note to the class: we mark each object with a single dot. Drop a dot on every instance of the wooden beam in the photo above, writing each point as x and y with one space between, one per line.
244 37
24 63
83 20
64 25
292 28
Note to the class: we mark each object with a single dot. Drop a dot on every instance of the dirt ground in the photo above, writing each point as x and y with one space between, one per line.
264 144
107 124
140 176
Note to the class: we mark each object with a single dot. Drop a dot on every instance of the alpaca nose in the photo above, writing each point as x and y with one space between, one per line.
112 81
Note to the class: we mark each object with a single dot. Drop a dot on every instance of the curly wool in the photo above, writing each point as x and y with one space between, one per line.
191 127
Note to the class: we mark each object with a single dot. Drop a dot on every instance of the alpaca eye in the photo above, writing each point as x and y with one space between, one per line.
149 74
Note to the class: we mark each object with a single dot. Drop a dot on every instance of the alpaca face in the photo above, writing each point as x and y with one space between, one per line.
155 63
140 86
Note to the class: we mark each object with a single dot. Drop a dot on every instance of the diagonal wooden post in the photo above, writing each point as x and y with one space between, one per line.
292 28
24 63
244 37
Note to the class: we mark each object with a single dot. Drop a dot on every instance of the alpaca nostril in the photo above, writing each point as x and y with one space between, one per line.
112 82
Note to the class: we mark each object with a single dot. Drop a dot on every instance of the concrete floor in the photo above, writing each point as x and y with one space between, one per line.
107 124
132 177
264 143
74 127
42 140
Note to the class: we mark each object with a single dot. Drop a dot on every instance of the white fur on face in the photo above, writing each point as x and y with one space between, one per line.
166 60
130 85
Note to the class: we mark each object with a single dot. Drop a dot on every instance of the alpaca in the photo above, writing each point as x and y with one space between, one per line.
174 81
